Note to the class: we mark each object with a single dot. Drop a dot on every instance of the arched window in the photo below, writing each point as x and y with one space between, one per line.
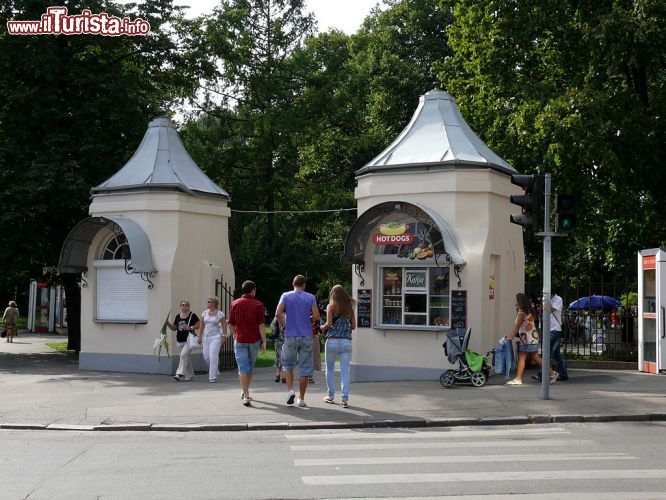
117 249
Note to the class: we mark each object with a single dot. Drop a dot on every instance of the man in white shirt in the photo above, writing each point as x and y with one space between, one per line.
555 334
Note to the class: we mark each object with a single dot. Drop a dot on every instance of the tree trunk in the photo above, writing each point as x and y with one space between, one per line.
73 296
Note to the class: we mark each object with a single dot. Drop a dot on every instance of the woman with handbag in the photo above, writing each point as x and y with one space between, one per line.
340 321
10 320
185 324
212 331
529 338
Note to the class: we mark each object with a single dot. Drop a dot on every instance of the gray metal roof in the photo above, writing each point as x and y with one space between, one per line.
160 163
436 137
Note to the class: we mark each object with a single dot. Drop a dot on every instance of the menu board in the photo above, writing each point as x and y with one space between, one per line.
458 308
364 308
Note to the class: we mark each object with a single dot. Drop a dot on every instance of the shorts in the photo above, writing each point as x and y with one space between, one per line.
301 347
528 347
246 356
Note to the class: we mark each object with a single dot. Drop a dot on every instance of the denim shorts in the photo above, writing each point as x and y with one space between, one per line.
301 346
528 347
246 356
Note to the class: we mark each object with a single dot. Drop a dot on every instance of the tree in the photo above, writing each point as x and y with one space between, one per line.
74 109
247 50
576 89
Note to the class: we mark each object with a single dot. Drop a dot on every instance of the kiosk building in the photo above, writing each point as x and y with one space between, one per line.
432 247
157 234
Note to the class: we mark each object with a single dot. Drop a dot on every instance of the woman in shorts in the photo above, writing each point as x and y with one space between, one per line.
529 338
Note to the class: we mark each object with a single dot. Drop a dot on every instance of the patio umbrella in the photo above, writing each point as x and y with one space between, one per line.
595 302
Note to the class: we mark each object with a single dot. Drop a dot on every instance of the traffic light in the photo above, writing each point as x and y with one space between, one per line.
565 213
531 202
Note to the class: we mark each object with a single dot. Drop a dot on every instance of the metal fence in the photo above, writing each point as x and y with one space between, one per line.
595 333
226 296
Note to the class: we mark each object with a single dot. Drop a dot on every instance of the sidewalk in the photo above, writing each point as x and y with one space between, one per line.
41 388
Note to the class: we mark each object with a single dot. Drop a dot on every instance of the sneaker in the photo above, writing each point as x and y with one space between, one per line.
290 397
536 377
515 381
329 400
246 401
212 381
301 403
553 378
178 377
344 403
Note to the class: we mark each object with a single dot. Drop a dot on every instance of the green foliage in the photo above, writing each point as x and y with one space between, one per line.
575 89
72 110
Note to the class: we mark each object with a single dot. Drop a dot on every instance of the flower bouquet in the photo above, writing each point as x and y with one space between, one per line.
162 342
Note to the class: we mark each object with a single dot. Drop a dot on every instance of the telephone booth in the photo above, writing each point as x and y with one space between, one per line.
41 307
652 310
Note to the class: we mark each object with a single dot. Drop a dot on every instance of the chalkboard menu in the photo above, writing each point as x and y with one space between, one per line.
458 308
364 308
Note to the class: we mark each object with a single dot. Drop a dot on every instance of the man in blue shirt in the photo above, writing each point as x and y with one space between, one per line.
299 307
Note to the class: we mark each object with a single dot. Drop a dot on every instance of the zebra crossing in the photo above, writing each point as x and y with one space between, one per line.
510 460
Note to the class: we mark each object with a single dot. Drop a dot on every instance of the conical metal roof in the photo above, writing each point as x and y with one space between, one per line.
436 137
160 163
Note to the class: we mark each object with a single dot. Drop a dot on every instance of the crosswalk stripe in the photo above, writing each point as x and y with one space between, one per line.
429 435
444 444
486 476
540 457
578 495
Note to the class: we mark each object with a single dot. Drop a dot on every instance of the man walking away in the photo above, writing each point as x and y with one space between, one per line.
555 336
299 305
246 320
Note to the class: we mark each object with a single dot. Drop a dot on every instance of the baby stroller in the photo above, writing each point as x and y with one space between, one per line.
472 367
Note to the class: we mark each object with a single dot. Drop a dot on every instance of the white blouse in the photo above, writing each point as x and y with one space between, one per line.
212 324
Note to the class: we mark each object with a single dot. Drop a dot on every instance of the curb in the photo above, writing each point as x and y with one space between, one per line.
367 424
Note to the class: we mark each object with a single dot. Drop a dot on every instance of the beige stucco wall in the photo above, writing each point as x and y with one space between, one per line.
190 249
475 204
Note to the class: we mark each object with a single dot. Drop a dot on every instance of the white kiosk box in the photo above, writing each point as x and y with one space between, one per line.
652 310
157 234
432 247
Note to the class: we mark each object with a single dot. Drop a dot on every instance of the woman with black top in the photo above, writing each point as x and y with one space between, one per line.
184 324
340 321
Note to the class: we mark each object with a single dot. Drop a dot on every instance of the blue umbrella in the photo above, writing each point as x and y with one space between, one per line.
595 302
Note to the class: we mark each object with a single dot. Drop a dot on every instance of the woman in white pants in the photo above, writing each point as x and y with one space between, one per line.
212 330
185 323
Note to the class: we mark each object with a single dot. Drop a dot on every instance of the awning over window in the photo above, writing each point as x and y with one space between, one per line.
74 253
359 234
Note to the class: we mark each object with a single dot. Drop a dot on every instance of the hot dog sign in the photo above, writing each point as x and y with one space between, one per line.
393 233
412 246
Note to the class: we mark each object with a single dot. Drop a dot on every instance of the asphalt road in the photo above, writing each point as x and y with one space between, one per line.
603 460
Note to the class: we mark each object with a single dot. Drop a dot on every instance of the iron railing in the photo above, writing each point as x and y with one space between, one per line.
595 334
225 295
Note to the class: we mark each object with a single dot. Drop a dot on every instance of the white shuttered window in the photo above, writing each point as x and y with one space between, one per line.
120 296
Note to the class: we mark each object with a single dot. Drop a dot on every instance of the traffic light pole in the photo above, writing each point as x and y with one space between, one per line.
545 324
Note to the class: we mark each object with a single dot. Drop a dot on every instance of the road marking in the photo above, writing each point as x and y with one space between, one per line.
429 435
578 495
485 476
540 457
450 444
